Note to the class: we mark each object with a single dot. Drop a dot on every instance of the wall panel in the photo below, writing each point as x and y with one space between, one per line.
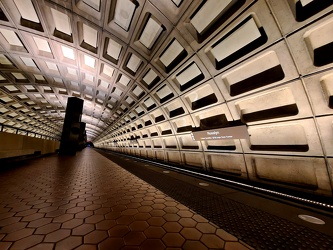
284 102
264 70
194 160
306 173
287 138
232 164
311 46
252 31
286 13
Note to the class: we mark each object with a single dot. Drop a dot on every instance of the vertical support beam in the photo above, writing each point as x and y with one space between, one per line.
82 136
71 128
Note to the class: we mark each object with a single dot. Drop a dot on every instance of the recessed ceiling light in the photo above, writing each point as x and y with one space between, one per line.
68 52
89 61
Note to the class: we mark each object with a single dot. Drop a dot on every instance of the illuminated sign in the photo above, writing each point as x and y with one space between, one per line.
239 132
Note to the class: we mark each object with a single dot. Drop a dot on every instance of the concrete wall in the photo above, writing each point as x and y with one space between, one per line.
10 141
279 83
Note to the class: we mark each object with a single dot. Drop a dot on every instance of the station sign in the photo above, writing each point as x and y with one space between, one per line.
133 141
238 132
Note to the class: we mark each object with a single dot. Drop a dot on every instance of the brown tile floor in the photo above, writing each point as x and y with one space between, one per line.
88 202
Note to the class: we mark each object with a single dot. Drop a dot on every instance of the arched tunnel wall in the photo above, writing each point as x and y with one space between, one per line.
260 66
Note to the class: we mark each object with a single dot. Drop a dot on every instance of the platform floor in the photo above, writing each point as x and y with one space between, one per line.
98 200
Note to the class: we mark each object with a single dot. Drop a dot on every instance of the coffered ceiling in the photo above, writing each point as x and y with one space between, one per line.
125 58
109 53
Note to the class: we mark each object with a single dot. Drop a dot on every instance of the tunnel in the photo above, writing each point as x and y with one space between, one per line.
231 92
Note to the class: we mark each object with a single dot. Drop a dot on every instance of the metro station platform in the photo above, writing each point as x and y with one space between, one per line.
100 200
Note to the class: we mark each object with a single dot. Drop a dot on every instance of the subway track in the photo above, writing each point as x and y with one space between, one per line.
256 227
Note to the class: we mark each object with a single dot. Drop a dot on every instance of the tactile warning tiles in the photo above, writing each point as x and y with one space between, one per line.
256 228
89 202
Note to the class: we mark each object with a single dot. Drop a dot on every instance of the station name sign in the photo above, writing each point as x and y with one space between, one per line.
239 132
133 141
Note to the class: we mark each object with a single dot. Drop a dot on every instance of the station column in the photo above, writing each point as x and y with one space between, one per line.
72 127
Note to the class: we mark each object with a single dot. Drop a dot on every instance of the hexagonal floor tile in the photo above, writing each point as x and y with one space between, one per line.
212 241
173 240
134 238
155 244
95 237
154 232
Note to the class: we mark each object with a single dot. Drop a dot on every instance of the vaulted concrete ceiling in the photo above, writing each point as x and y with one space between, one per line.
100 51
129 58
